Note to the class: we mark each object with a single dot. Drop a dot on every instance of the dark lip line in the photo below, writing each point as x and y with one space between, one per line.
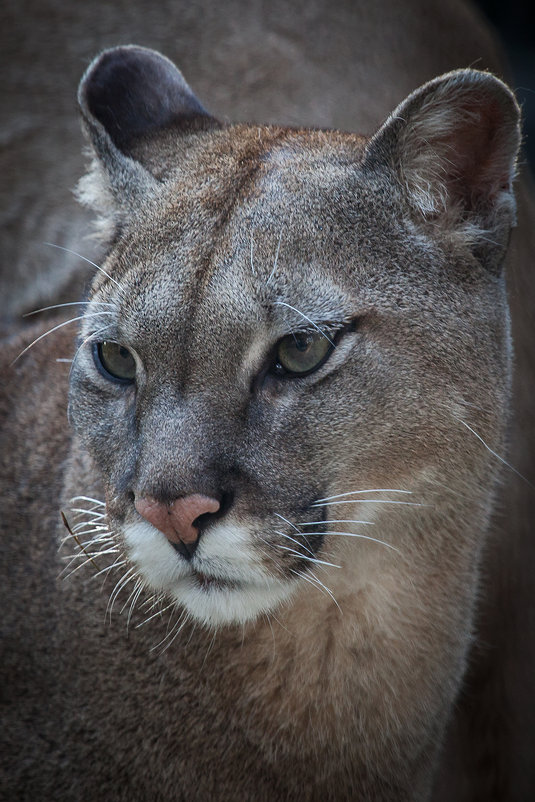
207 582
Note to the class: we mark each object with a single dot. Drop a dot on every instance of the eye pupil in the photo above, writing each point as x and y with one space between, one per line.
115 361
302 343
301 354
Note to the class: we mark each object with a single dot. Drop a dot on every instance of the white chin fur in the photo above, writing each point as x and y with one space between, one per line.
225 553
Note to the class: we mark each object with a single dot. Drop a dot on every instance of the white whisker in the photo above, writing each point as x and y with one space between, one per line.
89 338
55 328
276 260
368 501
281 303
125 579
116 564
139 582
86 511
337 521
157 613
178 626
293 540
134 602
494 454
316 583
355 534
358 492
303 557
70 303
253 271
85 259
91 500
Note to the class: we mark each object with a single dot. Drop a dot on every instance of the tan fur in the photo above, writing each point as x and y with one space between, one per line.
218 234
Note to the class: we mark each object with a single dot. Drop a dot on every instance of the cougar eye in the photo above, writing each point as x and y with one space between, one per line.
115 361
301 353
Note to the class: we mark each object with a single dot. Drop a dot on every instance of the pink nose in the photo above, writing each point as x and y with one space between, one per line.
176 520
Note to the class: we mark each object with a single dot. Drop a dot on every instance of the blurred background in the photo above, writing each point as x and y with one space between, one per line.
297 62
513 21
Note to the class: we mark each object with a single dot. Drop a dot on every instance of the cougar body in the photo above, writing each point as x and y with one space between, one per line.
303 336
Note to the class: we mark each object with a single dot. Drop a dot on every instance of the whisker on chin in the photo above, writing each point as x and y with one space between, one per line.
178 626
156 614
128 577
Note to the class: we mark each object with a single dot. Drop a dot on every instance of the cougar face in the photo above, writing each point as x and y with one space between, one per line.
278 353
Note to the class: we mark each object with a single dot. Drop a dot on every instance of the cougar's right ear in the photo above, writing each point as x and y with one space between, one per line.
128 96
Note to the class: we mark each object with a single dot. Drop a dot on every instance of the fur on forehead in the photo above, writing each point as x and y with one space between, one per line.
450 148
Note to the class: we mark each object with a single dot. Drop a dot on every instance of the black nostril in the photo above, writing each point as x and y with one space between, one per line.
202 522
207 518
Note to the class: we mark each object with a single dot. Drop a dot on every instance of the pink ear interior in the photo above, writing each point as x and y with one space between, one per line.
477 150
453 143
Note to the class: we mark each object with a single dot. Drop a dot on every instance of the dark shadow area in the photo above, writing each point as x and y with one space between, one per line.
514 24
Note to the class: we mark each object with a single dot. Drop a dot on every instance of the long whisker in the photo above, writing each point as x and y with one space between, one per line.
283 534
125 579
368 501
286 521
337 521
494 454
98 502
55 328
303 557
355 534
297 543
178 626
253 271
316 583
157 613
276 260
71 303
134 602
89 338
79 255
116 564
358 492
281 303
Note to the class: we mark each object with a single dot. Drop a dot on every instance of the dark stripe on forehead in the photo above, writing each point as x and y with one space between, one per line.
236 180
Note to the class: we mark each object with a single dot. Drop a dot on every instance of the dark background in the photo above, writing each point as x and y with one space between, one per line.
513 21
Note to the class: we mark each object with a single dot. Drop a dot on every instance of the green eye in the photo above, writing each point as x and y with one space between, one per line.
302 353
115 361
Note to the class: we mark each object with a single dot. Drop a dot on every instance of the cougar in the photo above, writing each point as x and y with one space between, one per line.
288 406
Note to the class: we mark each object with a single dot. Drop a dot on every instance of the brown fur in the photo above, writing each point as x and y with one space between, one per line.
314 702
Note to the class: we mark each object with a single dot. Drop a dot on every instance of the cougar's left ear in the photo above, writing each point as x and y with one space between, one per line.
128 97
452 145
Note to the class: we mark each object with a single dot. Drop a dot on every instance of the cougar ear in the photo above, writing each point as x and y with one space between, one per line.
452 145
128 96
